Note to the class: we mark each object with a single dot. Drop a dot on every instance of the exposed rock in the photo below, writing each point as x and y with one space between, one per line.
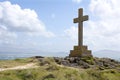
101 63
65 62
58 60
84 64
106 63
72 62
43 62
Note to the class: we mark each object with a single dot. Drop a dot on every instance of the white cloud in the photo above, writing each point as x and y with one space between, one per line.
6 37
106 28
77 1
15 19
102 31
72 32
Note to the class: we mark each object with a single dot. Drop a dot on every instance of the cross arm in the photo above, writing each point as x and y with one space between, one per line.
76 20
85 18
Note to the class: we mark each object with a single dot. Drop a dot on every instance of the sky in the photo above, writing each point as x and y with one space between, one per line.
47 25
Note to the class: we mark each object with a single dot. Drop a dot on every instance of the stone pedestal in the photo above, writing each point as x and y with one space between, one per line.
80 51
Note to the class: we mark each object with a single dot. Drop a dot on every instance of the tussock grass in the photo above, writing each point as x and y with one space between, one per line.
51 71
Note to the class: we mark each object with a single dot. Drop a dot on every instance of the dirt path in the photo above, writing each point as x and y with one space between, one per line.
27 66
31 65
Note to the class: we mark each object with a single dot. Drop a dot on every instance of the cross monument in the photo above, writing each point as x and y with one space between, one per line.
80 50
80 20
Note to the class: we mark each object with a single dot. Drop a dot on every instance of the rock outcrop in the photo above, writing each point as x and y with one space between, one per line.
100 63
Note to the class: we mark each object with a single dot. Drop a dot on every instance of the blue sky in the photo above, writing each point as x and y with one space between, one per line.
47 25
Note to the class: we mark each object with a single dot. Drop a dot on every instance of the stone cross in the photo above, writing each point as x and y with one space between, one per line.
80 50
80 20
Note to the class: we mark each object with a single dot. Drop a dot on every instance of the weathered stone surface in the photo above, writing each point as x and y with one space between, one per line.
84 64
72 62
107 63
101 63
58 60
80 20
80 50
81 62
65 62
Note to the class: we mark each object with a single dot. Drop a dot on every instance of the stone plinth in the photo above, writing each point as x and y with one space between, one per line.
80 51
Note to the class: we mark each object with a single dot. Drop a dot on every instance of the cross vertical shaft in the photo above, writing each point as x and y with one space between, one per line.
80 34
80 20
80 28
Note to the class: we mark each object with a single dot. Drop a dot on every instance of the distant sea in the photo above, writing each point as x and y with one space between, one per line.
8 56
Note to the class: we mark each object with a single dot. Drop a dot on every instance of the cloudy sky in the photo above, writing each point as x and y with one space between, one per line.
47 25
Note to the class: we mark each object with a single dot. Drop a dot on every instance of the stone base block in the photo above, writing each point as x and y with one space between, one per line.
80 47
75 53
80 51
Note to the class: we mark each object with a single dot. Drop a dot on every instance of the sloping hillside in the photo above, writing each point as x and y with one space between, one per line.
49 69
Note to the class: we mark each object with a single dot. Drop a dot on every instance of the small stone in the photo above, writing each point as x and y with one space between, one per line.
58 60
74 65
65 62
84 64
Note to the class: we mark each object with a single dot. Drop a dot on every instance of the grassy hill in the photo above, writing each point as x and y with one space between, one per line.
48 69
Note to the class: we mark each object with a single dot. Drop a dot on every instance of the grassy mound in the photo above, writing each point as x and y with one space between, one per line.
49 70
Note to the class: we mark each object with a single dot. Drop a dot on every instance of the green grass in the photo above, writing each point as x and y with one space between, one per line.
16 62
110 74
51 71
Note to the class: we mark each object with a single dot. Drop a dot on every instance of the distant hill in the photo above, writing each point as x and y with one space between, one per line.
107 53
